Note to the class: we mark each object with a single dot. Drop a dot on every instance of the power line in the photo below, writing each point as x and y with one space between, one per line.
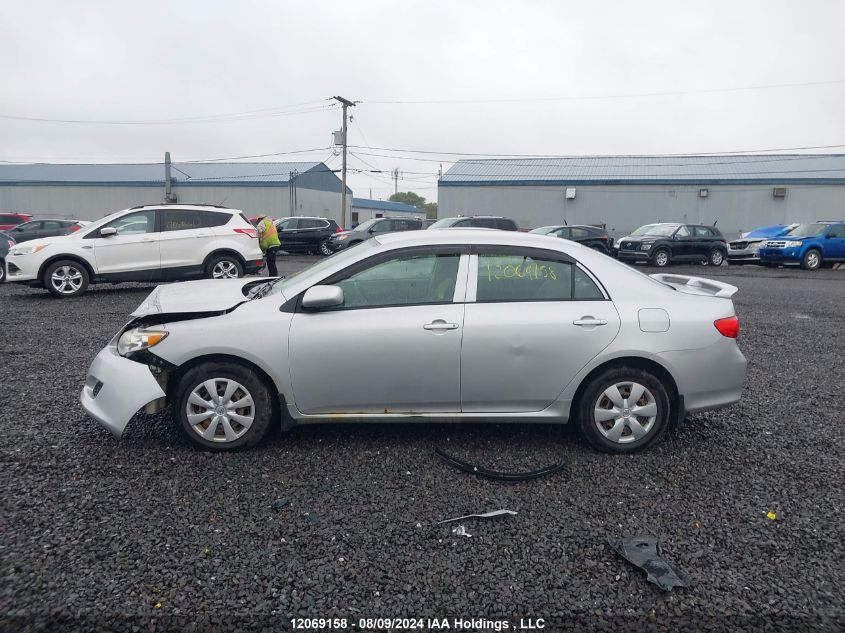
630 95
212 118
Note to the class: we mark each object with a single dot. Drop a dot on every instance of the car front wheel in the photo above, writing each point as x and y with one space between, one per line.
660 258
325 250
812 260
623 410
223 406
66 278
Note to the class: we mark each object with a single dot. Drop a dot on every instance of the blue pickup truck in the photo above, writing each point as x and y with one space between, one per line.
807 245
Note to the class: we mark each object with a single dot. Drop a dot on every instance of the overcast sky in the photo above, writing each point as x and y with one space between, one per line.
528 77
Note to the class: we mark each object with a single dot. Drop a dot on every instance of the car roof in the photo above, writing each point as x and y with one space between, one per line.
469 235
186 207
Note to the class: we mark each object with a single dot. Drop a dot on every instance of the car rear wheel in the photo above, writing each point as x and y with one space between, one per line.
600 249
224 267
623 410
717 257
324 249
660 257
2 271
812 260
66 278
223 406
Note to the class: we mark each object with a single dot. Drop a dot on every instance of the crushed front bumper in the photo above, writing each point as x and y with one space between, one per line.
116 388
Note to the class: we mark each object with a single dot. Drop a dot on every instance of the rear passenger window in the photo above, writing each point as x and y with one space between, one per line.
180 220
838 231
506 225
525 278
703 231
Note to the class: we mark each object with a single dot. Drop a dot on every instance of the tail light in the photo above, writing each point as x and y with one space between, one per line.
604 238
337 229
728 326
247 231
11 243
74 227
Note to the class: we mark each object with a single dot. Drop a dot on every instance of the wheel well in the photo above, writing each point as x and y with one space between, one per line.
629 361
224 251
74 258
176 375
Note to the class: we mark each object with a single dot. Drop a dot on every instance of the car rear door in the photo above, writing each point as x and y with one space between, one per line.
310 230
533 320
394 346
133 253
185 240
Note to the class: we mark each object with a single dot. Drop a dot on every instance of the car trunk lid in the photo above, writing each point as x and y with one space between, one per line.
696 285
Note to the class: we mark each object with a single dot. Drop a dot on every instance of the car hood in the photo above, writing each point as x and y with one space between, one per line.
769 231
56 239
206 295
642 238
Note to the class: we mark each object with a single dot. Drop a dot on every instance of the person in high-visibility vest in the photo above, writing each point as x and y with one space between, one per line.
268 240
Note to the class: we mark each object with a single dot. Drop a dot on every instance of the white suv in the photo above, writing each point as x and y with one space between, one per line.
147 243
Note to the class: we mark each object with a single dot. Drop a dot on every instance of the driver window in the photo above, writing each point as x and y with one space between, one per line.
134 223
682 232
406 280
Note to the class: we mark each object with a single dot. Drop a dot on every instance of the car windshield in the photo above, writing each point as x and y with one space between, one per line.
656 229
366 224
314 272
93 226
444 223
808 229
543 230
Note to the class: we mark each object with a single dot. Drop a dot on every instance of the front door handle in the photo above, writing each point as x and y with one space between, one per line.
440 324
589 321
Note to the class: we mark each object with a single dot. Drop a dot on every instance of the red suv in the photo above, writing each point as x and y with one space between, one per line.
11 220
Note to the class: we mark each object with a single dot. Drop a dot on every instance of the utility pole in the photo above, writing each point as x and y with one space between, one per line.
346 103
395 174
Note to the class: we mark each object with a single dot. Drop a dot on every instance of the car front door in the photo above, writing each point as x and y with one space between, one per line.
132 254
683 247
533 320
394 346
835 242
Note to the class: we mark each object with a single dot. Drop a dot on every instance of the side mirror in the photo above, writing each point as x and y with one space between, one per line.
322 297
108 231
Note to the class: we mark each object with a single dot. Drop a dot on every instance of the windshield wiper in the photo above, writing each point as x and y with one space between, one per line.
262 290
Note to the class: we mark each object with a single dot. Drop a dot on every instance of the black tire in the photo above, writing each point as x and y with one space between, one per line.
71 278
324 248
594 397
264 408
812 260
717 257
224 267
658 260
2 271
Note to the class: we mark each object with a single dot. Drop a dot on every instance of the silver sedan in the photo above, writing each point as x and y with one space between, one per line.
471 325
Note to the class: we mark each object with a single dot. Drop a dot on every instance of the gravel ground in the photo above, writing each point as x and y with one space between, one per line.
147 533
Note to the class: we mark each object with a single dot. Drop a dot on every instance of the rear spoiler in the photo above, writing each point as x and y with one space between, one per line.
696 285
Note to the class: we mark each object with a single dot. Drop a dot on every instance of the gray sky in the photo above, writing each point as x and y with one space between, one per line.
547 78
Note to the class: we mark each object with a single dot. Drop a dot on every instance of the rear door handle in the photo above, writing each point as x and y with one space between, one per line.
588 320
440 324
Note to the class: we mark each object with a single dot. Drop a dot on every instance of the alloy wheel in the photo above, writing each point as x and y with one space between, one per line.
66 280
812 260
661 259
325 250
625 412
716 258
220 410
224 269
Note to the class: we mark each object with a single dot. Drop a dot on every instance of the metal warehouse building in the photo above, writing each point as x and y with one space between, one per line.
740 192
88 192
364 209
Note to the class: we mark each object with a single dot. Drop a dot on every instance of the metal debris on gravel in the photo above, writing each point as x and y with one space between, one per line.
95 532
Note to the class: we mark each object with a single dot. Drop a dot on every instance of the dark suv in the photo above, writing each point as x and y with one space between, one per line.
592 236
306 235
369 228
476 221
659 244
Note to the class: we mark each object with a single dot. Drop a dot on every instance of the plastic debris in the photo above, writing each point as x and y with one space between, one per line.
494 474
486 515
771 515
278 504
460 530
644 552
